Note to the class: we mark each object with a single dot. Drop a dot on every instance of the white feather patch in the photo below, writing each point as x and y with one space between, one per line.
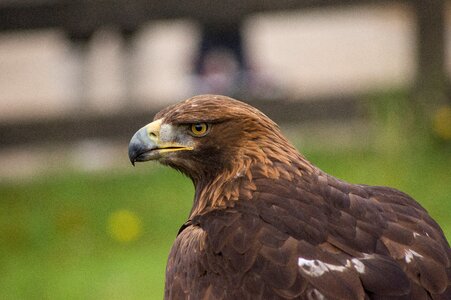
316 268
409 254
358 265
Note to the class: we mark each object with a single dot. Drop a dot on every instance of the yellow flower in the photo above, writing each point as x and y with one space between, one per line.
124 226
442 122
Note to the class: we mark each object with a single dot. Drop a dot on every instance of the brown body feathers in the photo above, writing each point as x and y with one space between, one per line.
267 224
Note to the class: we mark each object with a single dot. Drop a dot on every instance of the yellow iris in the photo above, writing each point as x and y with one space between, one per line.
199 129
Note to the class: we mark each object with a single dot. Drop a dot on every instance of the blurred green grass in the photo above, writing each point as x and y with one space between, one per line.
54 241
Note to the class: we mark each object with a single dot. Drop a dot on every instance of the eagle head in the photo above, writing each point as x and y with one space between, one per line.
206 135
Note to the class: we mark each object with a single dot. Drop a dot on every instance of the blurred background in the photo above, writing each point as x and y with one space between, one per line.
360 87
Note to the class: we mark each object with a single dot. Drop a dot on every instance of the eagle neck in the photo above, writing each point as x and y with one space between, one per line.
223 189
238 182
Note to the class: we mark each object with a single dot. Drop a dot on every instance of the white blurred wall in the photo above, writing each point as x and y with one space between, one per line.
328 51
310 53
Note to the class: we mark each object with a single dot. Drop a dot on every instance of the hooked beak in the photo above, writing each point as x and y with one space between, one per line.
148 144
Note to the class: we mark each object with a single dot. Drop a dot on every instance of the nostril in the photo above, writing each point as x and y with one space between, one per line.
152 135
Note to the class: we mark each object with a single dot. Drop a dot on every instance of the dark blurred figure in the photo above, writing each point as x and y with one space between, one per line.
222 66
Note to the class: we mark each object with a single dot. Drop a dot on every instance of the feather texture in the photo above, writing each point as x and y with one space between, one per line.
267 224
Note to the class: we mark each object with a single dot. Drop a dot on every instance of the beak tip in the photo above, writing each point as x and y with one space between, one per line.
132 153
132 157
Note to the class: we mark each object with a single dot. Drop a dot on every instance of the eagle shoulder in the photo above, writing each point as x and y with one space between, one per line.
184 269
320 237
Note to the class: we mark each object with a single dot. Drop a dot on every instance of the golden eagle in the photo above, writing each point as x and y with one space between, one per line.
267 224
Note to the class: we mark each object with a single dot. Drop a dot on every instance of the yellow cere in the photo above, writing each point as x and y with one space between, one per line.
124 226
154 126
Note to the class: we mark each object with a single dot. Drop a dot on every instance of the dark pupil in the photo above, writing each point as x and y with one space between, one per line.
198 127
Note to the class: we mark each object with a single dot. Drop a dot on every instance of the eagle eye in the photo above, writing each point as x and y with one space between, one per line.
199 129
